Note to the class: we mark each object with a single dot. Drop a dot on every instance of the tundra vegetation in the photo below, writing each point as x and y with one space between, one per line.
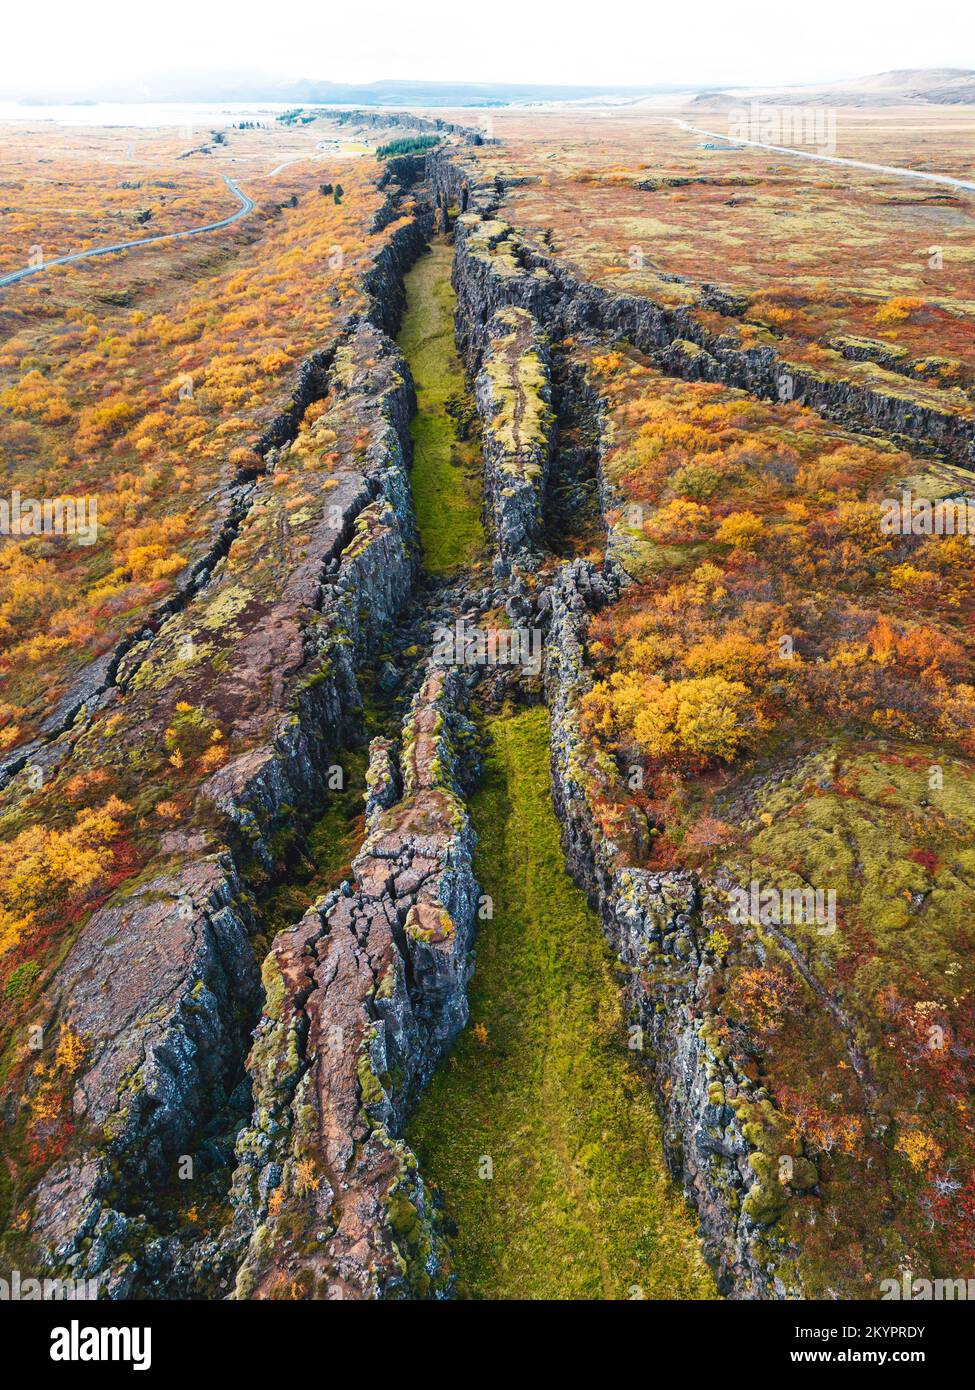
787 691
146 381
778 689
784 690
863 276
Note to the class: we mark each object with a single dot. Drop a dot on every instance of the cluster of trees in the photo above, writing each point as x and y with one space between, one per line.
407 144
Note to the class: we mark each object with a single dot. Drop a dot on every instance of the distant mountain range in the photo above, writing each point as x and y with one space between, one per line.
907 85
246 87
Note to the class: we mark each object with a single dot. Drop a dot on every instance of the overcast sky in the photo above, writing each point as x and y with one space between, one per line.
60 44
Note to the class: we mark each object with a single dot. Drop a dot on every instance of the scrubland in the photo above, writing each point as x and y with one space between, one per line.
784 693
825 260
780 691
795 690
144 382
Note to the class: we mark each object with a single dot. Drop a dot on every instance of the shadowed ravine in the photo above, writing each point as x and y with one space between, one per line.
446 490
541 1084
540 1090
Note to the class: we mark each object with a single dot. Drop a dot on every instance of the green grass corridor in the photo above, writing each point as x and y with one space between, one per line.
445 477
580 1204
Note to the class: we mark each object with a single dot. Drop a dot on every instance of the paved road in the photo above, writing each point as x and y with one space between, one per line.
246 206
945 179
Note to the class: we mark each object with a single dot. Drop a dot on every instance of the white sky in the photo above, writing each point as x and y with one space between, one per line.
59 44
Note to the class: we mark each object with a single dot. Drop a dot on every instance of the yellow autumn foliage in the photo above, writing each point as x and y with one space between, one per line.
40 865
705 718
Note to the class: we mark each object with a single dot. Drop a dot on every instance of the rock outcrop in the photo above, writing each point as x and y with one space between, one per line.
270 646
514 398
363 996
97 679
658 923
403 120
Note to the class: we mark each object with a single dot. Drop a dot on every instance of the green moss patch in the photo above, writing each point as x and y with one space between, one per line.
541 1085
445 477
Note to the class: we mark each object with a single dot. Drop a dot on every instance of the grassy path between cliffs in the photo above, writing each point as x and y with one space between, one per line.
446 477
580 1205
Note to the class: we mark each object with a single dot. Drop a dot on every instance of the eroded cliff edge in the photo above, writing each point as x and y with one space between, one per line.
162 986
754 1179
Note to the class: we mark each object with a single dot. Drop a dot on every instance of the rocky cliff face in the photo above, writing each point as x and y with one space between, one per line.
497 267
404 120
356 1002
160 985
698 355
491 272
363 997
514 397
657 924
384 282
165 1033
269 632
96 681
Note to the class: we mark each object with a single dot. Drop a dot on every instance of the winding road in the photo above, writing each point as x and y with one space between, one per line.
246 206
946 179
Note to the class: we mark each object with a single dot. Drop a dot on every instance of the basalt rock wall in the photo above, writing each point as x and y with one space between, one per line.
514 398
496 267
363 996
163 984
656 924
